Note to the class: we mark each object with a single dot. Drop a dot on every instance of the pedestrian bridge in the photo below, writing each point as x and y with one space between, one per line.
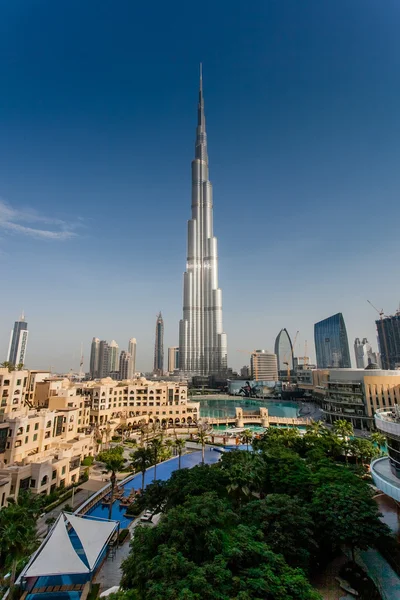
241 419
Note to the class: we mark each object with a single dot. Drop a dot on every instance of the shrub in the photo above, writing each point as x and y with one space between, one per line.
88 461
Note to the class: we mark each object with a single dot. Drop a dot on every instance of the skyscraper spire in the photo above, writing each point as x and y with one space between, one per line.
202 342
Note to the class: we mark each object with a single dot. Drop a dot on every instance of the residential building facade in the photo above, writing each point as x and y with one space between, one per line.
94 358
389 341
159 346
264 366
132 364
173 359
18 342
359 352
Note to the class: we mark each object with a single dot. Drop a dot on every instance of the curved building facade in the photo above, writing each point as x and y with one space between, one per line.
331 343
284 351
386 471
202 341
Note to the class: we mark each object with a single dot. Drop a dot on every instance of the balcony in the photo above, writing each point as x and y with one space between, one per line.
384 479
386 420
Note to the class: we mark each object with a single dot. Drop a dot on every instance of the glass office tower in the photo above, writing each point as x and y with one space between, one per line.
331 344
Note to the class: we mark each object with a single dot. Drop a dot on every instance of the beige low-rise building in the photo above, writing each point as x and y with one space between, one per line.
13 390
354 394
50 424
138 401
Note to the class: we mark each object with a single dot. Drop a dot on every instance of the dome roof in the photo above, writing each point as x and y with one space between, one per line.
371 366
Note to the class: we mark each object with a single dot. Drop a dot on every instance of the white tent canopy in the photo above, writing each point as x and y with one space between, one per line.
93 535
58 556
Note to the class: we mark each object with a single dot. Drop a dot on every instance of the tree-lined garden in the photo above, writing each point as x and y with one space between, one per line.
256 525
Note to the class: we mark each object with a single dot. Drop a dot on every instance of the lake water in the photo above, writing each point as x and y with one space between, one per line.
222 407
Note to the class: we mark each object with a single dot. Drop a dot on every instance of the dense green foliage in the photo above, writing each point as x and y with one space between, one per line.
253 526
18 531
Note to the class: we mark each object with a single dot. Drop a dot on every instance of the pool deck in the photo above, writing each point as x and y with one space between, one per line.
110 572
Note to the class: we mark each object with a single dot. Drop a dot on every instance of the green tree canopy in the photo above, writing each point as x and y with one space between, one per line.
287 526
199 551
347 514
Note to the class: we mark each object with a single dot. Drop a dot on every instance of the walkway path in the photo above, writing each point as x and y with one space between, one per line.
79 498
381 573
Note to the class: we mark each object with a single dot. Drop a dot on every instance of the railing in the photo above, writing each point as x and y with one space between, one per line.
258 419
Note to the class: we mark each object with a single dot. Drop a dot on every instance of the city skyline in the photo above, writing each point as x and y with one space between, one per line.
303 109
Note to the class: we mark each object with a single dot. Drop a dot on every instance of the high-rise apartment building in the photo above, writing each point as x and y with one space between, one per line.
389 341
202 341
331 344
94 358
125 361
113 356
159 346
104 360
173 359
359 352
284 352
264 366
132 363
18 342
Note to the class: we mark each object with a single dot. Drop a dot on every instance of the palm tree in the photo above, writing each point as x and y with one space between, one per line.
169 444
316 428
18 535
20 366
202 437
141 460
8 365
32 503
378 438
113 461
180 444
246 437
155 449
343 428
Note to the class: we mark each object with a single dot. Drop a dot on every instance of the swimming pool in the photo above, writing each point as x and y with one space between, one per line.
223 407
164 471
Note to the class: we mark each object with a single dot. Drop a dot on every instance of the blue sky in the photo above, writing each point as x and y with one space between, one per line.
97 125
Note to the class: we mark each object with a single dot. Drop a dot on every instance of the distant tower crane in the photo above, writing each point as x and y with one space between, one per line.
305 358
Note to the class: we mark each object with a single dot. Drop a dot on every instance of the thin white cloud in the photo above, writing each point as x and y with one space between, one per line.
16 221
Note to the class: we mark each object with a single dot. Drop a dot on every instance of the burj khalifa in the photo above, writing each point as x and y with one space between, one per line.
202 341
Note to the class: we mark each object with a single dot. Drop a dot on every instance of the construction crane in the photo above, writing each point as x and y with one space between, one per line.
286 362
305 358
381 314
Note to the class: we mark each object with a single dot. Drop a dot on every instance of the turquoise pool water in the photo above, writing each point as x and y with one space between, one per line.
221 407
164 471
